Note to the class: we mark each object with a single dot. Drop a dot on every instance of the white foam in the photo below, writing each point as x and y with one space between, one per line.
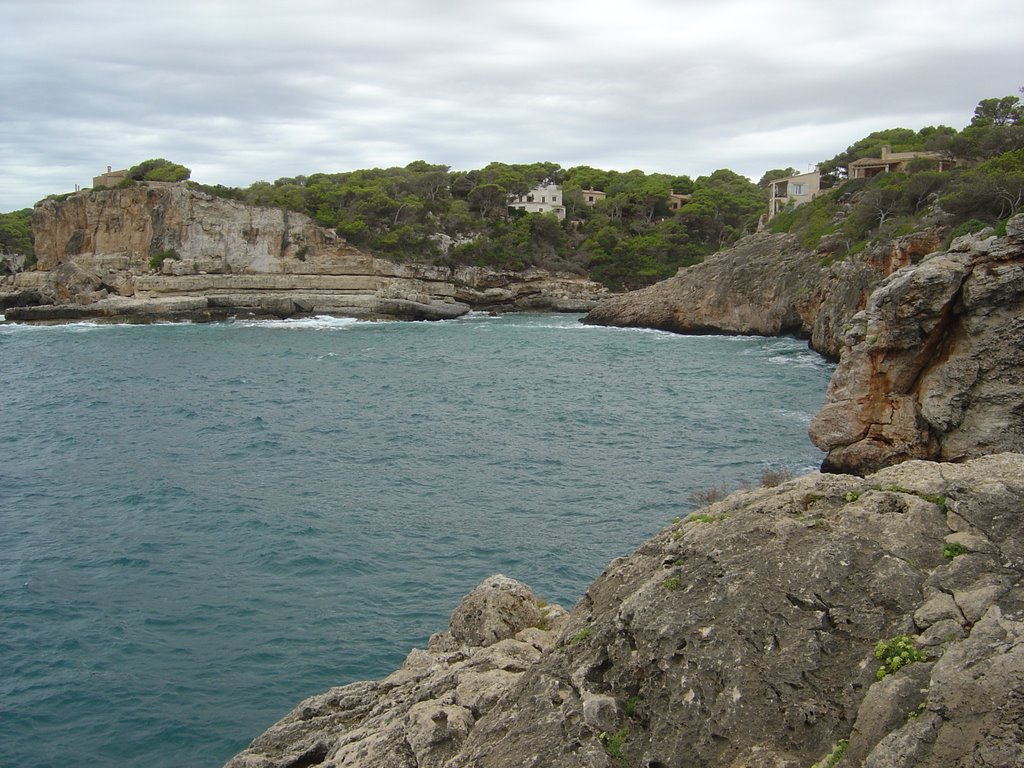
317 323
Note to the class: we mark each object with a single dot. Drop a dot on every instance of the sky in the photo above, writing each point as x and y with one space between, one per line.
247 91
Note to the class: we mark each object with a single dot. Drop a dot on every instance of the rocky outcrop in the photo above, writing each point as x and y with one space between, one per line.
767 284
419 716
745 636
122 254
933 367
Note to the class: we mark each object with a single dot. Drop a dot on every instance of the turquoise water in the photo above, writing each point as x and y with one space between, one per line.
202 524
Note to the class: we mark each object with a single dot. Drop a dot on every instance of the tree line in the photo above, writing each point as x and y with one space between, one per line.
632 236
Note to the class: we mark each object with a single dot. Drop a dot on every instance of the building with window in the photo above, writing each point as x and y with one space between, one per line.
544 198
796 190
894 162
592 196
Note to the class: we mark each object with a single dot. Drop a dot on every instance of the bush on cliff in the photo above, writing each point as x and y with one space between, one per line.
158 169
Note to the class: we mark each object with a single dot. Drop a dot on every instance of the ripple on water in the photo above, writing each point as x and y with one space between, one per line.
206 523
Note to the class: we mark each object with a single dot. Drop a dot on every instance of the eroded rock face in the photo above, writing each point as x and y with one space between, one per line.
934 365
767 285
155 241
744 637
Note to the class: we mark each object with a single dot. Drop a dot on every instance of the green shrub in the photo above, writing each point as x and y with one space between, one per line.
704 518
968 227
834 756
631 703
672 583
954 549
157 260
579 637
613 744
895 654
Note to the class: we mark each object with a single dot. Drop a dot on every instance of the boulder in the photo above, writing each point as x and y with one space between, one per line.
496 610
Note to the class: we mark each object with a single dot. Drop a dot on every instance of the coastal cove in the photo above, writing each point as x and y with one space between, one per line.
205 523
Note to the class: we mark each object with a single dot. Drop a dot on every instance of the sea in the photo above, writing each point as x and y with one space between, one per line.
203 524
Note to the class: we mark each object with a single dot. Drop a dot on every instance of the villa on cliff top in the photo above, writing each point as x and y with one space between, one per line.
796 190
109 179
544 198
894 162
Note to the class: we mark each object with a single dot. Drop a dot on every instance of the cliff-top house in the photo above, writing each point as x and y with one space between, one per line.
544 198
894 162
109 179
798 189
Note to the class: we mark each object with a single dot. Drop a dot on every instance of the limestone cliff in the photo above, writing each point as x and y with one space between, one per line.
933 367
97 253
745 636
767 285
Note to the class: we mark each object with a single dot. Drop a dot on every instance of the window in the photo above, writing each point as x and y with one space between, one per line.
798 189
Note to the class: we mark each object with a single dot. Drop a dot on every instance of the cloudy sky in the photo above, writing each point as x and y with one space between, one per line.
242 91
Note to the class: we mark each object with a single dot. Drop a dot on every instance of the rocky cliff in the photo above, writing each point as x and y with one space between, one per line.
767 284
883 616
165 250
933 367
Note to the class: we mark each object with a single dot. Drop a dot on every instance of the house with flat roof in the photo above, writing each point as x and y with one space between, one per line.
544 198
894 162
796 190
592 196
109 179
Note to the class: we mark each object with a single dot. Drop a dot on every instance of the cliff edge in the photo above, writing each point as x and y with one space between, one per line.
933 367
767 284
882 617
161 250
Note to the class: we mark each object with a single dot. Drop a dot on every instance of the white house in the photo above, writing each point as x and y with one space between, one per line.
798 189
544 198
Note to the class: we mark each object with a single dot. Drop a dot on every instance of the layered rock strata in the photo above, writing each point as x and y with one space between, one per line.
933 367
96 253
742 637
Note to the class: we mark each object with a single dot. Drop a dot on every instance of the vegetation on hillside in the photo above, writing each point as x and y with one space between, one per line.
425 212
985 190
634 235
16 233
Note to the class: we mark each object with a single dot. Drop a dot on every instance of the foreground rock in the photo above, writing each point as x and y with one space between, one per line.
767 284
744 636
421 714
110 254
934 366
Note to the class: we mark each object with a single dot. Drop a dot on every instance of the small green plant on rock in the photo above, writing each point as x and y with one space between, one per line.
954 549
853 496
157 259
631 703
703 518
672 583
613 743
834 756
895 654
579 637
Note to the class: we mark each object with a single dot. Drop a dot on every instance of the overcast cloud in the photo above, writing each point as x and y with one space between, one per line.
243 91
